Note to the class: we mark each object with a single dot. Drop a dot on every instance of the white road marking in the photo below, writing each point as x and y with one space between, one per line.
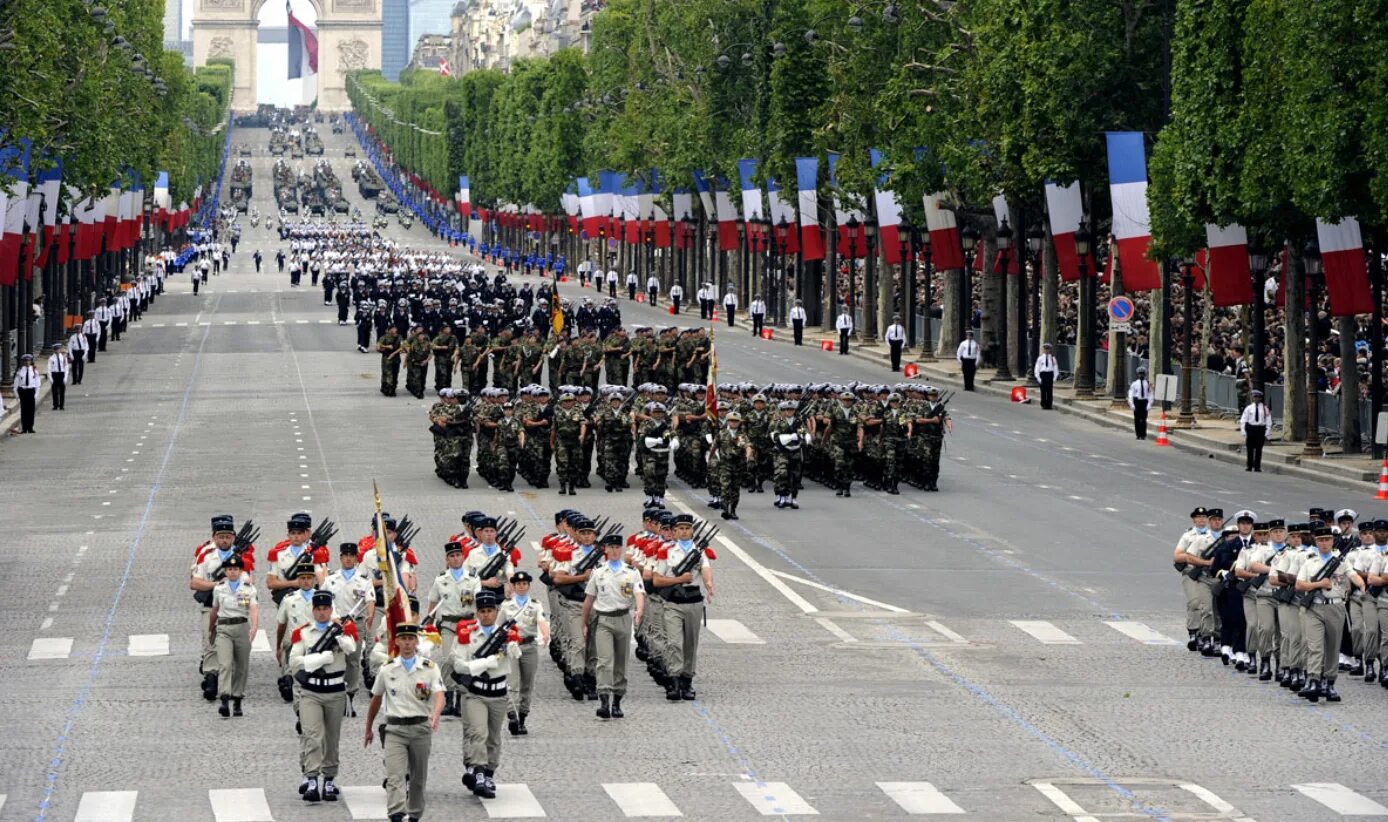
240 805
148 645
58 647
1063 801
1044 632
840 592
106 806
44 626
260 643
252 322
157 325
301 322
365 801
733 632
940 629
1141 632
325 322
62 591
833 628
513 801
919 797
1341 800
228 322
641 799
774 799
1111 510
180 325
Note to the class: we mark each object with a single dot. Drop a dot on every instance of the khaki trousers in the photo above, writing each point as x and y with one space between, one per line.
209 648
521 684
320 717
1265 639
610 637
1321 626
483 717
682 628
407 755
1292 653
233 649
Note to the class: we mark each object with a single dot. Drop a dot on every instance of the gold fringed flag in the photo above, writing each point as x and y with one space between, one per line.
392 586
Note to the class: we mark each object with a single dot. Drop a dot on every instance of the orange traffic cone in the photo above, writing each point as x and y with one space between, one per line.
1383 481
1161 431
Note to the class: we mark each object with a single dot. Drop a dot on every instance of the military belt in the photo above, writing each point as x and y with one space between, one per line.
620 613
406 720
232 621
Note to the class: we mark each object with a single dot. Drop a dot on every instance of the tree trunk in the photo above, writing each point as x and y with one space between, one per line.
1294 385
1158 327
1349 388
1050 293
992 295
951 282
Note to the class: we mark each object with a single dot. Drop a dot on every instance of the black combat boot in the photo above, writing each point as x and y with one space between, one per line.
485 787
512 723
617 706
590 687
236 706
672 691
848 489
604 706
311 792
1357 669
209 686
686 687
1369 675
1192 641
330 791
1265 670
225 710
1329 692
521 730
469 777
1312 691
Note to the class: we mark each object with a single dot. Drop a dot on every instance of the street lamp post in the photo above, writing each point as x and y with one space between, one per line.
870 283
1312 258
854 229
686 225
1084 370
969 238
906 268
778 282
1187 416
1004 370
1258 263
928 338
1035 237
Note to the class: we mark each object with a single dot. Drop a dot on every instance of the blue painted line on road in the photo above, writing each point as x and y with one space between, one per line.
80 701
742 760
980 693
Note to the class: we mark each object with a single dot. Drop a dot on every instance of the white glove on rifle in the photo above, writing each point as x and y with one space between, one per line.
513 650
313 662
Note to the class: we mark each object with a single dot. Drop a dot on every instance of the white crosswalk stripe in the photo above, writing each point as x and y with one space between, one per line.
2 801
1141 632
1340 799
919 798
148 645
733 632
260 643
58 647
106 806
513 801
1044 632
641 799
240 805
774 799
365 801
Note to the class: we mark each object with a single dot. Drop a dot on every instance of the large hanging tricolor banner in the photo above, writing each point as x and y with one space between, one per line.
888 214
1132 224
807 185
1346 268
303 46
1227 265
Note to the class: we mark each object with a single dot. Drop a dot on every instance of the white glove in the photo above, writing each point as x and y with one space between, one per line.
313 662
476 666
675 444
513 650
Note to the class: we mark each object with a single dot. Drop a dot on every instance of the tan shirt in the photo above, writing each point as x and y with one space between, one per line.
410 693
477 559
348 592
1339 579
454 595
233 604
614 590
294 611
527 617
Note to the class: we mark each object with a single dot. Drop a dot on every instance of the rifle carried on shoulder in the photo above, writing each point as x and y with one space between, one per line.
1308 598
245 538
494 642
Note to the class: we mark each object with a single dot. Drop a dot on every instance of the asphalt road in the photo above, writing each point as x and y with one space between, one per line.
1003 648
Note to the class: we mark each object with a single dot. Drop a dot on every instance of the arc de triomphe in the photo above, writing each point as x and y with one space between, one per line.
349 37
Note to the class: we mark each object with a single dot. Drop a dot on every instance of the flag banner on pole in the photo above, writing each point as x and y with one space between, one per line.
14 176
888 214
1230 274
683 201
727 216
1000 211
946 253
392 588
1066 210
705 195
50 185
807 191
711 390
752 209
464 196
857 248
303 46
609 201
1132 224
782 210
1346 268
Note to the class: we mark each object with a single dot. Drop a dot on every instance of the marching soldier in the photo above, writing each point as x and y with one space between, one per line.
787 435
232 620
287 554
391 349
1198 562
320 652
734 454
1291 651
614 598
295 609
1328 580
1363 606
1194 540
570 581
355 601
451 598
532 627
418 352
1264 639
683 607
653 453
933 426
479 561
445 351
842 432
480 663
410 690
211 560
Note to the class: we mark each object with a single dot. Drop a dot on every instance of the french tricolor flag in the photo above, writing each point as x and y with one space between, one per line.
572 208
782 210
163 203
588 207
841 216
631 212
1132 224
683 202
1066 211
1346 269
464 196
888 214
727 215
303 46
75 203
14 165
752 207
1227 265
609 201
1001 211
807 184
945 251
50 186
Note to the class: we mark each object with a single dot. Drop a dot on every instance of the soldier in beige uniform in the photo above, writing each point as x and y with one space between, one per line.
1198 557
1324 618
232 620
208 563
1378 582
295 609
1263 640
1247 662
450 601
484 528
283 558
613 592
1363 605
1194 540
319 653
353 598
410 690
481 662
533 627
683 607
1291 651
580 659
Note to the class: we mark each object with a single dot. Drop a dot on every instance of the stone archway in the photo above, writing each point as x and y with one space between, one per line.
349 38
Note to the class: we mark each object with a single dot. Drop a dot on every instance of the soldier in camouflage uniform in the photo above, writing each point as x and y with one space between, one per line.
503 370
841 433
616 352
534 415
786 437
473 362
891 441
653 452
667 369
445 347
931 426
417 354
614 422
392 350
569 429
757 421
441 416
530 358
507 441
642 352
486 417
733 454
555 355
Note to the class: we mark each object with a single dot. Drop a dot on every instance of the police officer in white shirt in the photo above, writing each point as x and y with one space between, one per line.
612 284
103 317
705 296
797 321
896 340
652 290
631 285
57 374
676 296
1255 424
730 304
844 325
91 329
77 353
968 354
1047 369
1139 398
758 311
26 387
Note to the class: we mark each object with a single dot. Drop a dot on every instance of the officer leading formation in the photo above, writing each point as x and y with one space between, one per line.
1296 602
471 652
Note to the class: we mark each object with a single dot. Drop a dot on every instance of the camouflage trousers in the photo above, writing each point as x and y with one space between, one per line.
731 475
841 456
415 375
443 375
390 375
785 473
654 473
615 457
451 457
568 459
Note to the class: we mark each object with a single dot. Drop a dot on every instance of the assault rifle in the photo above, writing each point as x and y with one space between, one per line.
245 538
498 561
1308 598
326 642
692 560
323 534
405 532
495 642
